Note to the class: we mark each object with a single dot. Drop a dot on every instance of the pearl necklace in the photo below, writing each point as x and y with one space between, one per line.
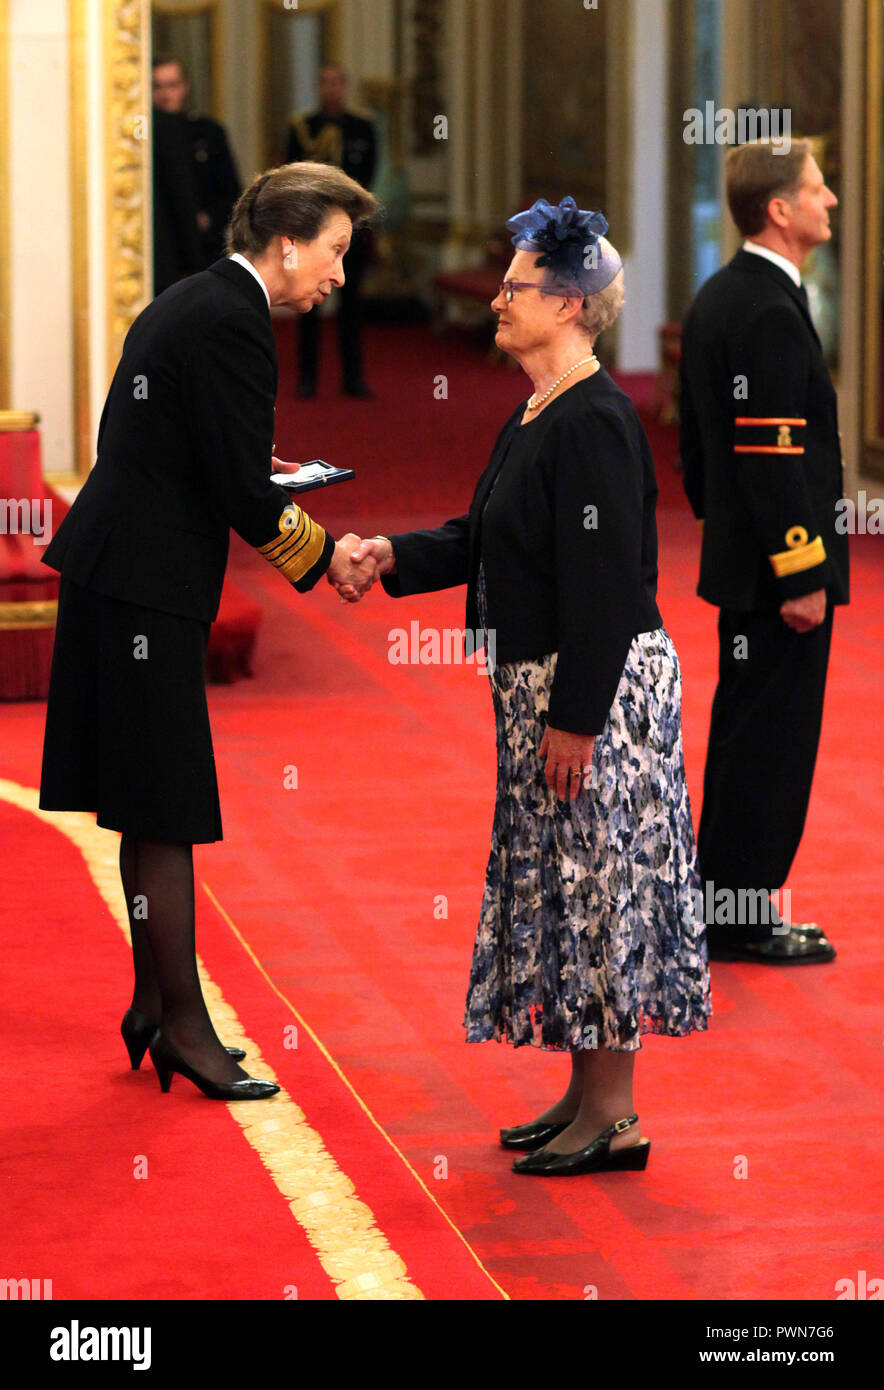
535 400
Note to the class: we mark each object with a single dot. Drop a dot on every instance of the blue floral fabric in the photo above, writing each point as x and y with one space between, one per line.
588 934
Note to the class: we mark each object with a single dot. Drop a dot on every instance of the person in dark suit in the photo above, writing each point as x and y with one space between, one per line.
762 470
213 171
588 934
177 247
184 453
336 135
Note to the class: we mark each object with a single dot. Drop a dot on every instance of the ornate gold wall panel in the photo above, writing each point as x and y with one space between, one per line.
127 166
80 271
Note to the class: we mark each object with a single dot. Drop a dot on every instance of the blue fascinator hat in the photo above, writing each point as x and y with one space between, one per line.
571 242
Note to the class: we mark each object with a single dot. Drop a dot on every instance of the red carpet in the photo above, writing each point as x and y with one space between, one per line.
335 887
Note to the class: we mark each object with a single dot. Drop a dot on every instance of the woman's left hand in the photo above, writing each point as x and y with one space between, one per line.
568 760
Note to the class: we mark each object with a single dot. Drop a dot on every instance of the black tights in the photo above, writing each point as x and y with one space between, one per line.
158 886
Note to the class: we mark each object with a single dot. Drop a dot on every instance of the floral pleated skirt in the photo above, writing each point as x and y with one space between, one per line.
589 933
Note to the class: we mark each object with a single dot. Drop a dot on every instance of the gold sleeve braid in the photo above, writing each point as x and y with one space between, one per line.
298 546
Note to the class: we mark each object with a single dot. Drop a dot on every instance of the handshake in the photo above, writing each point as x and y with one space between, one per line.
357 564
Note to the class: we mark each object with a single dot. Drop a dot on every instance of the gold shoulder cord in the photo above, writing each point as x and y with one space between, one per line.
326 147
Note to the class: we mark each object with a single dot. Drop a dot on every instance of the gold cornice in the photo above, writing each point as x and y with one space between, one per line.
5 281
79 168
127 166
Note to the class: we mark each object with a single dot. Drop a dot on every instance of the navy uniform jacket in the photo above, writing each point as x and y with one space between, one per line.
184 449
215 178
347 141
554 583
759 441
177 247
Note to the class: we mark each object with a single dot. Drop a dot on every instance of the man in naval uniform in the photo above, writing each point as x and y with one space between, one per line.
336 134
762 470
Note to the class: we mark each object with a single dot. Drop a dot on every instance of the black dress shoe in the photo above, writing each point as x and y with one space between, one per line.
531 1136
137 1030
595 1158
809 928
167 1061
358 388
794 947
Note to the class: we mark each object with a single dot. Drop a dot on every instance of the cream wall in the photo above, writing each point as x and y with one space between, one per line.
40 223
645 266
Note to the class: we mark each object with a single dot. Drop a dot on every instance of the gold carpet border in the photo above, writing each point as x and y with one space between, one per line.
339 1226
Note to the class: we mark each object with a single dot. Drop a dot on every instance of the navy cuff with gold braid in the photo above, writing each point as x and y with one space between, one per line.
800 554
302 550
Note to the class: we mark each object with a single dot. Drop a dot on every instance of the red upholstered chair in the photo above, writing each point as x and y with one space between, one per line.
232 638
28 590
476 285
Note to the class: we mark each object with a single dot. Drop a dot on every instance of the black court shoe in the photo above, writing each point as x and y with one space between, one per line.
595 1158
531 1136
167 1061
137 1030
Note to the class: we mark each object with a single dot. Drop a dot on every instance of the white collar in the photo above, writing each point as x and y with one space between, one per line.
788 266
241 260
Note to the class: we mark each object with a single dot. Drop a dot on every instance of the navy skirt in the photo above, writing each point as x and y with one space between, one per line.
127 725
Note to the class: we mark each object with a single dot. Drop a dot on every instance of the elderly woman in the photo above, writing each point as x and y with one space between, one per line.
587 936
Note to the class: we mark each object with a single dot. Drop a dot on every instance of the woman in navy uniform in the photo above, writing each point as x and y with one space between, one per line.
184 453
589 934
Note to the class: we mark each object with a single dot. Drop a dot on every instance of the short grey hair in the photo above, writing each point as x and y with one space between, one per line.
602 309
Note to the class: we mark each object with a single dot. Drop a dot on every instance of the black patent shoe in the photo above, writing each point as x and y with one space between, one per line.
137 1030
794 947
531 1136
595 1158
167 1061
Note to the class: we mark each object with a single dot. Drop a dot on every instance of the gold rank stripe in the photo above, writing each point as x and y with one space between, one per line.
295 552
322 1199
801 557
768 420
768 449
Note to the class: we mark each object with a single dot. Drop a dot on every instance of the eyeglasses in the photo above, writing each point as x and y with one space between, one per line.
508 289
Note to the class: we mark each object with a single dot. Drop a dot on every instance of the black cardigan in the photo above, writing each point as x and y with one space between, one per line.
559 577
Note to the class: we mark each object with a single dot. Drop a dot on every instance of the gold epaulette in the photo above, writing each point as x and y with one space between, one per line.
297 547
802 554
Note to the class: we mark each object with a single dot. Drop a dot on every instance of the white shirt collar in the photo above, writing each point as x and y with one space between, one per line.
788 266
241 260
